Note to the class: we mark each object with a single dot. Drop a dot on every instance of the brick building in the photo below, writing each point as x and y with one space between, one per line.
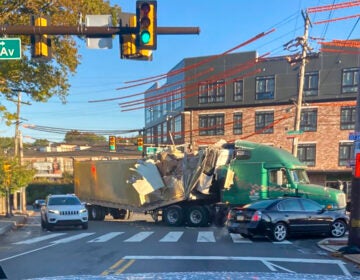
242 96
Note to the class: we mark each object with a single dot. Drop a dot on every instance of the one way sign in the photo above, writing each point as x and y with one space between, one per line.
10 48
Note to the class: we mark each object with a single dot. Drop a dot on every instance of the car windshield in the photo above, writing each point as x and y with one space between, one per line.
299 176
64 201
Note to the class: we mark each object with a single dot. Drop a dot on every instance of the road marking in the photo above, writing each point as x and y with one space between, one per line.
206 236
28 252
115 269
139 236
265 260
40 238
172 236
72 238
106 237
237 238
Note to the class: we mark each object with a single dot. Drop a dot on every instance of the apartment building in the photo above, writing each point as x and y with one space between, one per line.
243 96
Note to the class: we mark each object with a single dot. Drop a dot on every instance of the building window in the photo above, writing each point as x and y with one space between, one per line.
347 117
211 124
212 92
237 128
311 84
165 132
308 120
264 122
265 87
238 90
177 127
307 154
346 153
350 78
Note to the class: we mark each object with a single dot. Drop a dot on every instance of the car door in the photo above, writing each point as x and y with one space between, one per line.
317 218
293 213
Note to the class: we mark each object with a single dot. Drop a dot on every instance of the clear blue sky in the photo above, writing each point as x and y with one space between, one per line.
223 25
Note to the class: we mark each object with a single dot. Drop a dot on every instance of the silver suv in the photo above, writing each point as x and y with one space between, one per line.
63 210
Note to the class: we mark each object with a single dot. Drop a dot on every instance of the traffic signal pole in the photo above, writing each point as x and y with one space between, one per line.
96 31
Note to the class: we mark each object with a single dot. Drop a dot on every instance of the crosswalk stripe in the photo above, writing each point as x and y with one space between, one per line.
206 236
172 236
106 237
40 238
237 238
72 238
139 236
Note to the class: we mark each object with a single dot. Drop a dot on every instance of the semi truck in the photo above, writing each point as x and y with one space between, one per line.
196 189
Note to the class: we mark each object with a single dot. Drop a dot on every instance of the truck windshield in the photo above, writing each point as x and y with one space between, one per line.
299 176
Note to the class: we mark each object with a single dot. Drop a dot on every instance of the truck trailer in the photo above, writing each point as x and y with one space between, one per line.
196 189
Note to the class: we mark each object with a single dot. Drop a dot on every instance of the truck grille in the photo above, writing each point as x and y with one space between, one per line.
67 213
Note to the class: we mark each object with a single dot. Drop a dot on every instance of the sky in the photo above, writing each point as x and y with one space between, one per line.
223 25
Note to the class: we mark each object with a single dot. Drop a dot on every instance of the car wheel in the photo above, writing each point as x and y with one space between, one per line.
279 232
338 228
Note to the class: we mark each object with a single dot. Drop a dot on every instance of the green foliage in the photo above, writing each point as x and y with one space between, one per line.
76 137
14 176
41 80
41 143
41 190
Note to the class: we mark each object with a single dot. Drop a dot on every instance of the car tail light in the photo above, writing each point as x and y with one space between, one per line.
256 217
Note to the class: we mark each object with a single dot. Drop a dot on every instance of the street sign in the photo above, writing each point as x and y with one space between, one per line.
10 48
294 132
354 136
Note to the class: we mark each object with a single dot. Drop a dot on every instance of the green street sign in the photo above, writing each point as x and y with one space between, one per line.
294 132
10 48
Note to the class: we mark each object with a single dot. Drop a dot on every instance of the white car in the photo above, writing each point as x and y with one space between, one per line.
63 210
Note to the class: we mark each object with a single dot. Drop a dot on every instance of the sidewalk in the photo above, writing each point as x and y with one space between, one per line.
13 222
339 248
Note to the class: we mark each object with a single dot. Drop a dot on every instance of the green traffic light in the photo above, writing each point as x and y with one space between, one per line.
145 37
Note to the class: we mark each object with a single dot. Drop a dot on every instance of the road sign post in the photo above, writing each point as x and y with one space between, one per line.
10 48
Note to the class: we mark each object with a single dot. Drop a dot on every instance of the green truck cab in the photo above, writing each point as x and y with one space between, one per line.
259 171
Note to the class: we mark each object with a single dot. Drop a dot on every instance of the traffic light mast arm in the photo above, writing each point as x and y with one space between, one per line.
89 30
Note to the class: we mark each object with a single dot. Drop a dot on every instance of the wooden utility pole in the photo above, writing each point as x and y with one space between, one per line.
303 41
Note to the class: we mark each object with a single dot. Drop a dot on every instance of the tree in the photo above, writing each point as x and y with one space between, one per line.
38 79
76 137
41 143
13 177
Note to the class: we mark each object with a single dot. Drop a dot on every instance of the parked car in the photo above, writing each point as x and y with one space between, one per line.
63 210
38 203
278 218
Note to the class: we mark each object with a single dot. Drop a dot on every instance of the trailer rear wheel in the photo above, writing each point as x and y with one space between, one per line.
173 215
197 216
97 213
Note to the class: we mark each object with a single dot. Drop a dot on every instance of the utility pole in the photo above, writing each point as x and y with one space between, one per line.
303 41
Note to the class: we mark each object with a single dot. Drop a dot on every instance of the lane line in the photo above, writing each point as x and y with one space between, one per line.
72 238
106 237
206 236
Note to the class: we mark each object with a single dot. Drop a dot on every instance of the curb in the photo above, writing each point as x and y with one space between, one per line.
12 224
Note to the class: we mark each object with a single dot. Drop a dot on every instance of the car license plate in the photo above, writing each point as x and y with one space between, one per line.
239 218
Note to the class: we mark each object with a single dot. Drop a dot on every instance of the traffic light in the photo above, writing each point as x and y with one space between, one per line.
140 143
40 44
128 46
146 25
112 143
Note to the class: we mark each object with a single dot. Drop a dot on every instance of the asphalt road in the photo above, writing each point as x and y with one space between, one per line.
114 247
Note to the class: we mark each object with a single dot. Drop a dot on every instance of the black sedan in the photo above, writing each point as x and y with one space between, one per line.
278 218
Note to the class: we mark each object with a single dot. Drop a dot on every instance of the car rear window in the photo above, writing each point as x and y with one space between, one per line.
260 204
64 201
